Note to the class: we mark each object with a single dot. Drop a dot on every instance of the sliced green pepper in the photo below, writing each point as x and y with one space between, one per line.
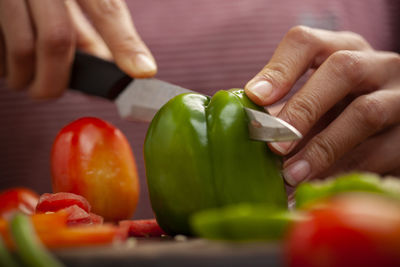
311 192
29 248
243 222
198 156
6 258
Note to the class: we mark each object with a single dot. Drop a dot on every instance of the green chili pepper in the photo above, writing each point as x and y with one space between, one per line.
199 156
243 222
6 258
29 248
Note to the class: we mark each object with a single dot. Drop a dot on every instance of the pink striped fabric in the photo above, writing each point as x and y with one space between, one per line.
204 45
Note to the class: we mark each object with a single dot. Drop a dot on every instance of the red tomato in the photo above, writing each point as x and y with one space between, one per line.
352 230
17 199
92 158
55 202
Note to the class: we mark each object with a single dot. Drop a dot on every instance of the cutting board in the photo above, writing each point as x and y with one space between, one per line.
175 252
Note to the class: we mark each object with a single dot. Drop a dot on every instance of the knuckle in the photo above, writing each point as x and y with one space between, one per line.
358 40
370 112
394 60
58 40
129 44
21 51
304 110
301 34
347 65
322 149
110 7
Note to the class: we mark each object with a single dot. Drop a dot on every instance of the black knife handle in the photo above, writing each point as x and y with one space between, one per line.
95 76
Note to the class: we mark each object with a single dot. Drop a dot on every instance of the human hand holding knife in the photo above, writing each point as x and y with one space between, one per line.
140 99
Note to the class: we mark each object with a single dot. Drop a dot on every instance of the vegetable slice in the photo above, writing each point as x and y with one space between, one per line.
5 257
17 199
58 201
142 228
30 249
311 192
244 222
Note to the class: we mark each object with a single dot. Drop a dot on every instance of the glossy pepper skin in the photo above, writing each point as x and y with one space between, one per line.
198 155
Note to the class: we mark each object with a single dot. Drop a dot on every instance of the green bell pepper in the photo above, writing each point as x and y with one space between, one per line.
198 155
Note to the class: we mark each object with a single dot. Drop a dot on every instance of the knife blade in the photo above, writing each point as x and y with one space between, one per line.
140 99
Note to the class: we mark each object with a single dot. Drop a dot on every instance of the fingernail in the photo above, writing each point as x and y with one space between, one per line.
296 172
261 89
143 65
282 147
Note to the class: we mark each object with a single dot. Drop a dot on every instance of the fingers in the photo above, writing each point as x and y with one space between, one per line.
300 49
365 116
112 20
380 154
19 42
87 38
342 73
54 47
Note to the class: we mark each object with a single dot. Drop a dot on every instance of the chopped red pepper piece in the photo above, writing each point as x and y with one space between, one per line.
55 202
53 231
142 228
96 219
76 215
17 199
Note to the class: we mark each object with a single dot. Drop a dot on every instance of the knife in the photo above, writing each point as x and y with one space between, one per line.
140 99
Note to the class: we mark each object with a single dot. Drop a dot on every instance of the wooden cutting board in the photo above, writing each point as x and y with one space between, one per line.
175 252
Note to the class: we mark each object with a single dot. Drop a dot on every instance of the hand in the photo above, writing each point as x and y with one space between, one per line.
348 110
38 39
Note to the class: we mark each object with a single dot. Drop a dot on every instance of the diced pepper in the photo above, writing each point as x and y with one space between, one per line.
29 248
57 220
79 236
59 235
58 201
96 219
76 215
142 228
54 232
